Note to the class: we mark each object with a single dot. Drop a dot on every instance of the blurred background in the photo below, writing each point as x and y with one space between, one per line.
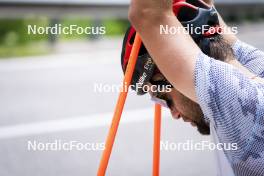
47 91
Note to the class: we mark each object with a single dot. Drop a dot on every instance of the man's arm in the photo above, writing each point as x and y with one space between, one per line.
175 54
249 56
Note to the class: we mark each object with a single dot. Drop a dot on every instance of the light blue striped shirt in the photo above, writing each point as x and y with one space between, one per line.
234 104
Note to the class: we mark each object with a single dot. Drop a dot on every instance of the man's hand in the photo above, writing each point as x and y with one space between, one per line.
139 9
230 38
209 2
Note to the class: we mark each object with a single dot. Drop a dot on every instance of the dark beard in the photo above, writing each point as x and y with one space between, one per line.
203 127
196 111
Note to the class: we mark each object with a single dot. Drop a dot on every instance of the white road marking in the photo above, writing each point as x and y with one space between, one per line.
75 123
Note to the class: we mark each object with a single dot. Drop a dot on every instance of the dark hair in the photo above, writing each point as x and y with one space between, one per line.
220 49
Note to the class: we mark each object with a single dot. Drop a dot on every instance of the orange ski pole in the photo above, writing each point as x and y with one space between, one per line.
156 144
119 107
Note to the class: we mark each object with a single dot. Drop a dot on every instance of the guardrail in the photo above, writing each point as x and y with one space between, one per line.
98 9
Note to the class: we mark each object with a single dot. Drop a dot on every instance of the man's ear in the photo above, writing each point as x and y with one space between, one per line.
157 77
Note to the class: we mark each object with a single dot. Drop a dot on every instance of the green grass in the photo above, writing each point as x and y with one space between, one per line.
115 27
15 42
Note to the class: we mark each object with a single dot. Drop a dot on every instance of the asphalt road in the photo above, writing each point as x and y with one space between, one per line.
52 98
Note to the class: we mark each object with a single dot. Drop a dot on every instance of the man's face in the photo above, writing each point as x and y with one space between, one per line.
182 107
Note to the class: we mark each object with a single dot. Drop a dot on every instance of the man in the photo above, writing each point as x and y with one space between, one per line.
226 95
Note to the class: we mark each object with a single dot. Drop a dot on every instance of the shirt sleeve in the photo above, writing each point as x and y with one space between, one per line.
249 56
230 101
